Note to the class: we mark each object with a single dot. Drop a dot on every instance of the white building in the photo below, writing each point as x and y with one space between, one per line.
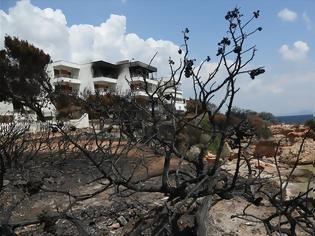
172 89
103 77
122 78
6 108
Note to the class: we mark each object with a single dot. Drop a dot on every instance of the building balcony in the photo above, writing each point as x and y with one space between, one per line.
180 107
66 64
104 80
64 76
141 79
177 106
104 85
142 93
105 91
177 102
65 80
173 93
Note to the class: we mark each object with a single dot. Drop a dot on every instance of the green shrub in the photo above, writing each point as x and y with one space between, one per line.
310 123
260 126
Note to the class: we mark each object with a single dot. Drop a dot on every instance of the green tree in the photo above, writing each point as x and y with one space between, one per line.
23 77
310 123
267 116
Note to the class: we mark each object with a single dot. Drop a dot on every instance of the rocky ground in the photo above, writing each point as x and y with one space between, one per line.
223 223
292 136
115 211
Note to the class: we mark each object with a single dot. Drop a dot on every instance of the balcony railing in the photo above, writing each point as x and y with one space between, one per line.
143 93
178 91
61 80
73 92
141 79
105 91
142 89
65 76
102 79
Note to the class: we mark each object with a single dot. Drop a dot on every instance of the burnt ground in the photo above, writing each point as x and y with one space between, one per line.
41 188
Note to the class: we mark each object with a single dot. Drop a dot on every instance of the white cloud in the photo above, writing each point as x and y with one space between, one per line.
44 28
47 29
279 92
287 15
298 52
307 21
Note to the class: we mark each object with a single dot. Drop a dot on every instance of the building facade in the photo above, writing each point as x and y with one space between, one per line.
123 78
103 77
173 90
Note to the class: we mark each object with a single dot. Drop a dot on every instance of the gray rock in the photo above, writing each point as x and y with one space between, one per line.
50 180
122 220
114 226
186 222
20 182
301 173
193 153
6 182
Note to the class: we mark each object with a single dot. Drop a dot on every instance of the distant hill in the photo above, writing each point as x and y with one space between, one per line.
294 119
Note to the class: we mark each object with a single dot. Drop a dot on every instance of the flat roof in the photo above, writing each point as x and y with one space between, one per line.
107 64
104 64
138 64
66 64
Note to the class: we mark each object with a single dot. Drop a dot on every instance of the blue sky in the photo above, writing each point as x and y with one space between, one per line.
285 46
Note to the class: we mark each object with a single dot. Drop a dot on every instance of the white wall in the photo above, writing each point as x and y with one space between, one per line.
86 78
50 70
122 84
83 122
5 108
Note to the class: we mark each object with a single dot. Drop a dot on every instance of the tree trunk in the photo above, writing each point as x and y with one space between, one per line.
202 216
2 170
166 170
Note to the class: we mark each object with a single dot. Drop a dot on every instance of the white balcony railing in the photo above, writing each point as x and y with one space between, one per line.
142 93
140 79
105 91
64 75
103 79
61 80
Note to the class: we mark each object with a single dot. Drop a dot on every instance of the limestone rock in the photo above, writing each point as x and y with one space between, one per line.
210 158
6 182
122 220
114 226
193 153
